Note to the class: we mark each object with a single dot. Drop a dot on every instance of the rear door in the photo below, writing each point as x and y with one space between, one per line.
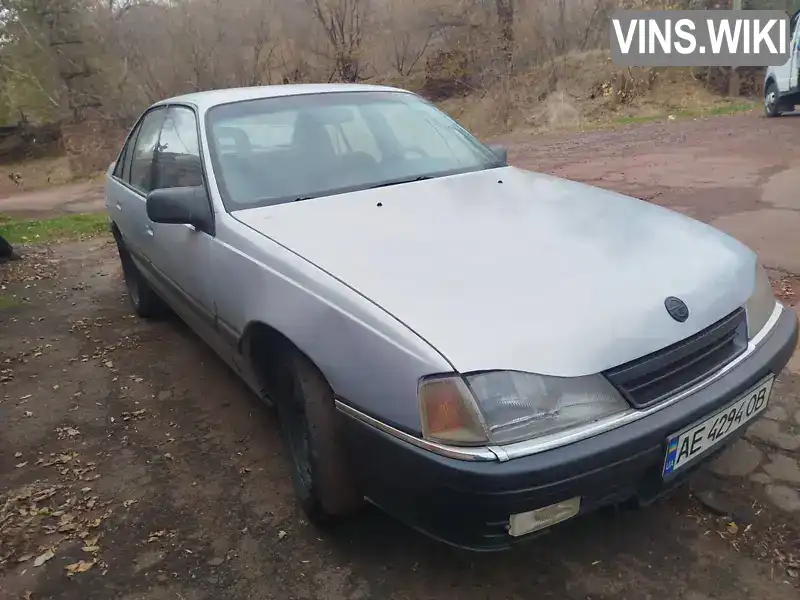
790 75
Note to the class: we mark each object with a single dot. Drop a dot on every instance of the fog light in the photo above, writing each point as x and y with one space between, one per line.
533 520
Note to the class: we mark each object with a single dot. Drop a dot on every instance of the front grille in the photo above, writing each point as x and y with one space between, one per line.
648 380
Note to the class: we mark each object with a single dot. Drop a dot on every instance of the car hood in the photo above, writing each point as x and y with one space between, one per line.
508 269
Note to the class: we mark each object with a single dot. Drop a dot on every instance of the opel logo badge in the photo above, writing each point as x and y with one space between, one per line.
677 309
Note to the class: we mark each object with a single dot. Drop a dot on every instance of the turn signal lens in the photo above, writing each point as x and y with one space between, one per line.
761 303
449 413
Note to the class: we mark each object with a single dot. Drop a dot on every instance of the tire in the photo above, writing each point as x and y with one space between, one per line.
309 422
146 303
772 104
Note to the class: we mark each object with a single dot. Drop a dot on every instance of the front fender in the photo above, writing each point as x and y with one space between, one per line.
370 359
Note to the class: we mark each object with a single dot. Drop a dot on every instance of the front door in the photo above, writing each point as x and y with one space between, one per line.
793 71
131 180
181 252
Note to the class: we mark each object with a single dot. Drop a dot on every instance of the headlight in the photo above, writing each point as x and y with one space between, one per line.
501 407
761 303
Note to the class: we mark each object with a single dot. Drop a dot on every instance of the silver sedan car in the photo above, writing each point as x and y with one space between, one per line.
482 351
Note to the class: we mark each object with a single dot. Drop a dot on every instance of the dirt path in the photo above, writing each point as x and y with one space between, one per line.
133 453
82 197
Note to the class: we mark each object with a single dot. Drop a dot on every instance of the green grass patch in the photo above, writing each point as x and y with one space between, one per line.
68 227
733 108
723 109
639 119
7 301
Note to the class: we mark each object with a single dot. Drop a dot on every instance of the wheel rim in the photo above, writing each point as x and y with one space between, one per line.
769 101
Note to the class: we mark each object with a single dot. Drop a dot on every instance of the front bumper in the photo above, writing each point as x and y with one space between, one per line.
468 504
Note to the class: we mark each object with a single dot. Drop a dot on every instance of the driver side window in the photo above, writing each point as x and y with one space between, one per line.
177 158
141 166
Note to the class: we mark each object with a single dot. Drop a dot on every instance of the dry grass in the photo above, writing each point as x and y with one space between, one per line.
572 92
576 92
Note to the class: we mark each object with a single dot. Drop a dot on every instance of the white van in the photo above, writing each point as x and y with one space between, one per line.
782 83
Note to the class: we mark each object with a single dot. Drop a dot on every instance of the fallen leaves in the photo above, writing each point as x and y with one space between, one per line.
766 539
43 558
45 494
786 286
67 432
66 523
135 415
155 535
51 513
79 567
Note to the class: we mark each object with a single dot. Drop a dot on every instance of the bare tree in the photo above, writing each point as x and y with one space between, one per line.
406 53
343 23
505 16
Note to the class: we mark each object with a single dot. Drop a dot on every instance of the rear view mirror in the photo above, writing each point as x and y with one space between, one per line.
181 206
500 152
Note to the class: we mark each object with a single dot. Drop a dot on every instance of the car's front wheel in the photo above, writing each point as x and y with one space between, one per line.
772 103
146 303
309 421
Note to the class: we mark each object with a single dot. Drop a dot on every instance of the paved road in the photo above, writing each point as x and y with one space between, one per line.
739 173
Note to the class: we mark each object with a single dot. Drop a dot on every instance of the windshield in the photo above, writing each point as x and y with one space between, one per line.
282 149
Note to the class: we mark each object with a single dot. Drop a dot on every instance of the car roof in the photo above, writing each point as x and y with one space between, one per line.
208 99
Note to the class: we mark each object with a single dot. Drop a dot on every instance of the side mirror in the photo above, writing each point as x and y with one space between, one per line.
500 152
181 206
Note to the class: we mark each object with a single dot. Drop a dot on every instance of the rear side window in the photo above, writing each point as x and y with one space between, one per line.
141 165
177 157
121 161
122 169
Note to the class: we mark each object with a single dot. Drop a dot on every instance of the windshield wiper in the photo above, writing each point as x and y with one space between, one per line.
398 182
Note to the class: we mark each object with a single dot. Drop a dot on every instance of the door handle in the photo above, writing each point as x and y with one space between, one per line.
119 207
150 231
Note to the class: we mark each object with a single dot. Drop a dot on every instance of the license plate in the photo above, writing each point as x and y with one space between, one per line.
686 446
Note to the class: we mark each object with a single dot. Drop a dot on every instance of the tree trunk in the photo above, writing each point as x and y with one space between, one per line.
505 16
734 83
